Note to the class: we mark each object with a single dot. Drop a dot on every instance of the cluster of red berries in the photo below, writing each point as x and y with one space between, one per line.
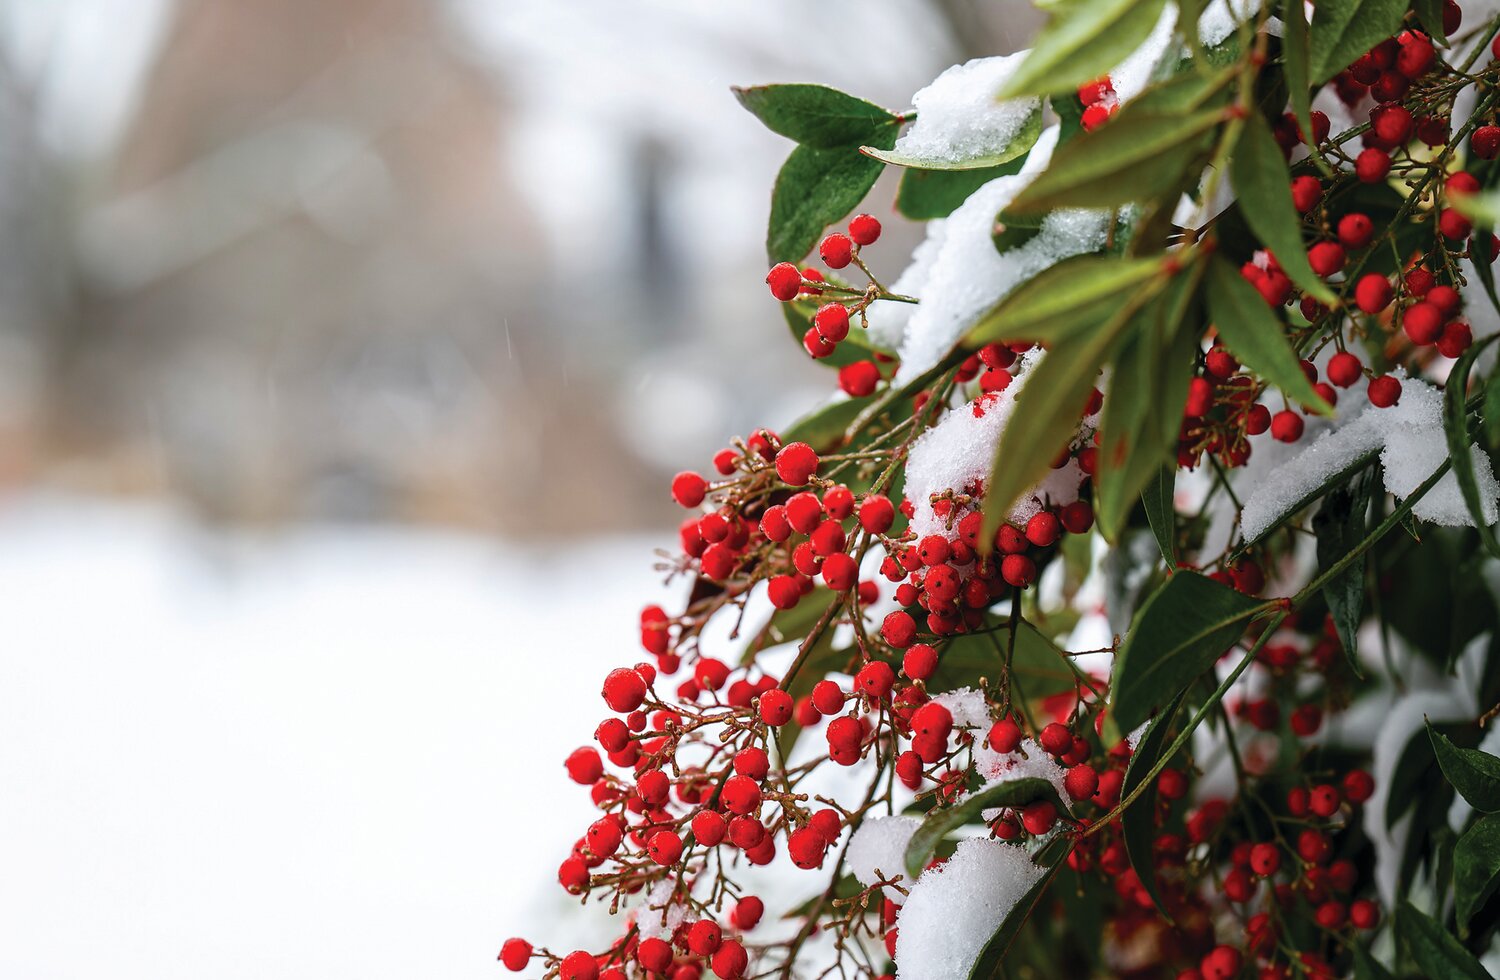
830 323
1099 103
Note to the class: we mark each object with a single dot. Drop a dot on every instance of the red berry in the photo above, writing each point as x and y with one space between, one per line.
919 661
1200 399
876 514
1222 963
709 828
1422 322
1055 739
816 345
1485 142
1039 816
806 847
1257 420
624 690
836 250
1265 859
747 913
875 679
1306 193
1344 369
784 591
1391 123
740 795
1384 391
1094 116
785 281
1286 426
859 378
1326 258
832 322
1043 529
1018 570
1416 55
1359 785
1324 800
1373 293
578 965
828 697
1364 914
1077 517
1081 782
1453 224
899 629
1372 165
665 847
515 954
796 463
864 229
1356 230
730 960
1005 736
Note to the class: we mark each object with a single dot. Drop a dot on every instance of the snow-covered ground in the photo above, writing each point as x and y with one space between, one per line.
329 753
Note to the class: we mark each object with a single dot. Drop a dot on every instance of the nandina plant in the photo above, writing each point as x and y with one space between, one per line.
1131 608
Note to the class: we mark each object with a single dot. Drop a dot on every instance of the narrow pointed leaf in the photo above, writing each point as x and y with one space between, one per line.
1179 633
1342 30
1460 449
1264 186
1254 335
927 194
1161 511
1340 525
1296 54
1435 952
1475 774
1476 869
815 188
1138 822
1060 301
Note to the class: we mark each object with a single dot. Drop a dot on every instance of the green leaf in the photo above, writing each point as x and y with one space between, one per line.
987 965
1064 300
1296 54
1460 449
817 115
1138 822
1138 429
1430 16
1083 40
1340 525
1254 334
1179 633
1037 667
1476 869
1019 146
927 194
1475 774
824 427
943 820
1069 113
815 188
1367 967
1264 186
1137 156
1161 511
1342 30
1435 952
1316 493
1050 404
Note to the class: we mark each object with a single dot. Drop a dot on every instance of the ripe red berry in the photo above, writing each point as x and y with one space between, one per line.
688 489
1039 816
1077 517
1220 363
1306 193
1043 529
1055 739
1222 963
832 322
806 847
624 690
816 345
1416 55
730 960
1265 859
796 463
709 827
785 281
747 913
875 679
864 229
1081 782
515 954
1453 224
1373 292
1485 142
1356 230
1359 785
1422 322
919 661
1344 369
836 250
1005 736
899 629
1171 784
665 847
1018 570
1094 116
704 937
1326 258
1200 399
1372 165
1324 800
1384 391
1286 426
740 795
1364 914
859 378
876 514
828 697
578 965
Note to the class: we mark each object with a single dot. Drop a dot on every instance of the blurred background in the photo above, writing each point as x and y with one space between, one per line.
345 350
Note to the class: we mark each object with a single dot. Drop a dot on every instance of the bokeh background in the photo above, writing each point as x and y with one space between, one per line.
345 350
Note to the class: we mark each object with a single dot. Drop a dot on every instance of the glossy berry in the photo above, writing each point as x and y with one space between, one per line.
796 463
836 250
1372 165
515 954
1422 322
1326 258
730 960
1485 142
1373 293
1355 230
1344 369
1384 391
899 629
1306 193
578 965
832 322
859 378
1265 859
785 281
1286 426
864 229
688 489
624 690
919 661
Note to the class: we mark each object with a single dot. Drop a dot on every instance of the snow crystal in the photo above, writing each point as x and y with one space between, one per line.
954 908
967 706
888 319
880 842
1410 438
958 116
657 919
957 452
998 767
969 276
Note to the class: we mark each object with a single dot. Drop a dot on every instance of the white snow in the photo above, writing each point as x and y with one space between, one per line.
1222 18
969 276
887 320
656 918
1131 76
880 843
957 452
958 117
1412 444
967 706
954 908
1030 760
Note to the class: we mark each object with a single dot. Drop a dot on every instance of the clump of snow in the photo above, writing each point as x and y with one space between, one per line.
1410 439
953 909
887 320
1222 18
958 116
660 917
969 276
967 706
880 844
1029 760
956 454
1131 76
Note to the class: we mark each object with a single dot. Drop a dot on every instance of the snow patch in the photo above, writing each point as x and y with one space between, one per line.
954 908
1001 767
880 843
958 116
967 706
